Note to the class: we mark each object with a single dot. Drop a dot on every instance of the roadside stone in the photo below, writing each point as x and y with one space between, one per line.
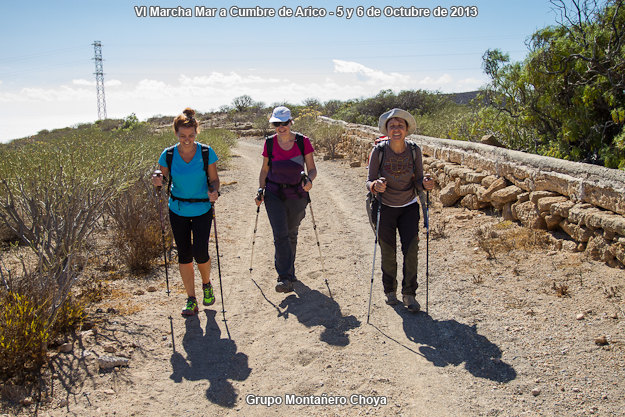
578 212
151 288
488 180
561 209
544 204
599 249
536 392
475 177
355 164
139 292
109 362
580 316
448 195
491 140
528 215
498 184
472 202
66 348
110 349
601 341
552 221
537 195
578 233
506 212
506 195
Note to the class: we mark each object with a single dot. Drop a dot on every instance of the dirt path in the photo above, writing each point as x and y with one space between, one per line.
482 350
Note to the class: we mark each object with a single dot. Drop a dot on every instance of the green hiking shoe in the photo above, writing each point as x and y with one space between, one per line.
190 308
209 295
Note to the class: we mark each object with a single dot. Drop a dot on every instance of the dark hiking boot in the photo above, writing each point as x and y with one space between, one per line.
284 286
209 295
190 308
411 304
391 298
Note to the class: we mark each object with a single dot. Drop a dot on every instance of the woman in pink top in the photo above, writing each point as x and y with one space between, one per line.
284 190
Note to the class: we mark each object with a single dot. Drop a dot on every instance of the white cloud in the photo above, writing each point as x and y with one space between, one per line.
90 83
28 110
369 75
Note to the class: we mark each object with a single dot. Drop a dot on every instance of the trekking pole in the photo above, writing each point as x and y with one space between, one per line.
425 207
259 197
158 173
427 250
375 247
221 287
304 177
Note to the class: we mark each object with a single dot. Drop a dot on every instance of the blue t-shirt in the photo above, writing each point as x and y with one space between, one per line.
188 180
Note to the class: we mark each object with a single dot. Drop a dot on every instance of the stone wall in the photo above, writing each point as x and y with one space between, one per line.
587 202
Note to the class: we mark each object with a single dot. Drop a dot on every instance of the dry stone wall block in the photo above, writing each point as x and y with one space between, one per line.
537 195
577 212
552 221
498 184
562 209
448 195
544 204
488 180
471 201
506 195
528 215
578 233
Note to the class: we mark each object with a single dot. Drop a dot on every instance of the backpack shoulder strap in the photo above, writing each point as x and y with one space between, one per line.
299 139
205 154
269 146
169 157
413 153
381 147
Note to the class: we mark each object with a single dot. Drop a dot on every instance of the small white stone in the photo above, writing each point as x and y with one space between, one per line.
66 348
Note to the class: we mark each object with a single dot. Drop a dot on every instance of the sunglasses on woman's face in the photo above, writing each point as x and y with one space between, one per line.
276 124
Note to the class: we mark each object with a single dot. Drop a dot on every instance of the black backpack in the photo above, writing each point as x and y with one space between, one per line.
372 202
169 157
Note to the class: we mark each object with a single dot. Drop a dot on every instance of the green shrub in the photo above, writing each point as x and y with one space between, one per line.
23 336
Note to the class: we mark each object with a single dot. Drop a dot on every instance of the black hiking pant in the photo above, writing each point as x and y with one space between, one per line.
406 221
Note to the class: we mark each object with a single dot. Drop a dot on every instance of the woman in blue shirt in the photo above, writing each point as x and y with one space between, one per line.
190 208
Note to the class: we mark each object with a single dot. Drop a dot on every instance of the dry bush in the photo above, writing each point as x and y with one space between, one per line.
561 290
135 215
438 229
506 236
329 137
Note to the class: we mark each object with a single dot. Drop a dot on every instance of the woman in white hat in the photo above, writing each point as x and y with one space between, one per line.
395 177
283 188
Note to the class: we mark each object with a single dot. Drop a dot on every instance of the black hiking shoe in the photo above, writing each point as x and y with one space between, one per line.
411 304
284 286
190 308
391 299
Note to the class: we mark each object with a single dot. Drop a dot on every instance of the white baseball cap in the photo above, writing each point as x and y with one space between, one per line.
280 114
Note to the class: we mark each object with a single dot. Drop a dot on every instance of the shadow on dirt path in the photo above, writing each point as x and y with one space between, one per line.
313 308
211 358
448 342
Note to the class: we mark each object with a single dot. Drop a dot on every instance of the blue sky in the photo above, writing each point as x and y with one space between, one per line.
160 65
